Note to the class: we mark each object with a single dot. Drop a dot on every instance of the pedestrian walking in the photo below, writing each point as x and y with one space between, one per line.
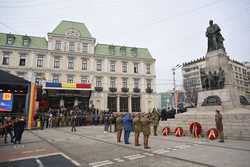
137 128
111 120
119 127
73 121
219 125
127 124
146 129
19 126
8 128
106 122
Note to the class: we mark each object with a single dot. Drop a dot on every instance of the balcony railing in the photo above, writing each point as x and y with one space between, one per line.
136 90
112 89
125 89
149 90
98 89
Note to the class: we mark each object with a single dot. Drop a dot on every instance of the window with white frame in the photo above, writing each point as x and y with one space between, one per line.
56 62
70 79
22 61
112 82
10 40
148 81
39 62
98 65
84 64
84 47
55 78
112 66
136 67
6 58
84 79
124 67
98 82
58 45
70 63
124 82
136 83
71 46
148 69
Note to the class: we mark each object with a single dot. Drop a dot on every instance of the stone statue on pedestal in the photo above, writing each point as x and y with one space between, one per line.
213 80
215 39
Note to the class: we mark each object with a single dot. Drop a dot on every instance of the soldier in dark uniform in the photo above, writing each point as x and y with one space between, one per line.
119 127
146 129
19 126
219 125
155 118
137 128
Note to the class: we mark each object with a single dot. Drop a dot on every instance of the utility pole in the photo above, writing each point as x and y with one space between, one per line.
174 89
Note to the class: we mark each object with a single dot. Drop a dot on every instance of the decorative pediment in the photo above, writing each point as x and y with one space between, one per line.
72 33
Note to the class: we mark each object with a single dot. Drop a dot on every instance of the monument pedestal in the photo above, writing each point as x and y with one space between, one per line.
236 117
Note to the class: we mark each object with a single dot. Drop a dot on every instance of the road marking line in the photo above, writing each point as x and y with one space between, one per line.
26 152
30 157
136 157
101 163
73 161
39 162
161 151
119 160
148 154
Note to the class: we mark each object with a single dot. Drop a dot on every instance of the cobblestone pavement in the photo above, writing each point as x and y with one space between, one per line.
89 146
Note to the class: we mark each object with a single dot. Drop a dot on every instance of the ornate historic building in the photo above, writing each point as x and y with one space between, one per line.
192 76
122 78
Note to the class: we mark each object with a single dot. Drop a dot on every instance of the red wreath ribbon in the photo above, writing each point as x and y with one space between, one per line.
165 131
178 131
195 129
212 134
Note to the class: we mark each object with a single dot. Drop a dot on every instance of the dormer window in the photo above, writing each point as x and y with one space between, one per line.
112 50
123 51
10 39
134 52
26 40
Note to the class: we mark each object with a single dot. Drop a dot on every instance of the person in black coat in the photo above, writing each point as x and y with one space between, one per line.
19 126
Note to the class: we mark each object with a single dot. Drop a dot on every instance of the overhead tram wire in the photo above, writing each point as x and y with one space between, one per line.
9 27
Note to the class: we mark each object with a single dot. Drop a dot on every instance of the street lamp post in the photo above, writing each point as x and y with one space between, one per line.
174 89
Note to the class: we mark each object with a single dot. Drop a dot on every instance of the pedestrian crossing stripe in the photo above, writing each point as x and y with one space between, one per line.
119 160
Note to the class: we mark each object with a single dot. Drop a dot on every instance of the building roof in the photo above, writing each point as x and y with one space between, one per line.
104 50
35 42
64 26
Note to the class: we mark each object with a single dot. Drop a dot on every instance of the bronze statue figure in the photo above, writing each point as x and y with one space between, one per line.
215 39
213 80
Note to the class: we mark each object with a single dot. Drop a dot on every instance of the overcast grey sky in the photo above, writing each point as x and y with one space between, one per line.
172 30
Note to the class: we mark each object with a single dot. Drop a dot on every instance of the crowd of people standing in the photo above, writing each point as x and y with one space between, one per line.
12 127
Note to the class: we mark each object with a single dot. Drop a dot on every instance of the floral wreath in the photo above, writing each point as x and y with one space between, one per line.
212 134
178 131
165 131
195 129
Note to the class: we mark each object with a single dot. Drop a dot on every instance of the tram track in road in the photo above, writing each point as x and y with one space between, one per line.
132 148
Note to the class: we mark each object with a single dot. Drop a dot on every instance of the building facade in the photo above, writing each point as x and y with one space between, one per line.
247 64
193 70
122 78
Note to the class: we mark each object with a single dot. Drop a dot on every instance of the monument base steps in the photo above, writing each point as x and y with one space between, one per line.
236 121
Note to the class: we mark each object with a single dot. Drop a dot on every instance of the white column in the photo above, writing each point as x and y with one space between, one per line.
118 103
129 104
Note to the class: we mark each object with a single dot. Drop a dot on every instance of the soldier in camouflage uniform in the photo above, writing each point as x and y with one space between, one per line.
137 128
146 129
155 118
119 127
219 125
